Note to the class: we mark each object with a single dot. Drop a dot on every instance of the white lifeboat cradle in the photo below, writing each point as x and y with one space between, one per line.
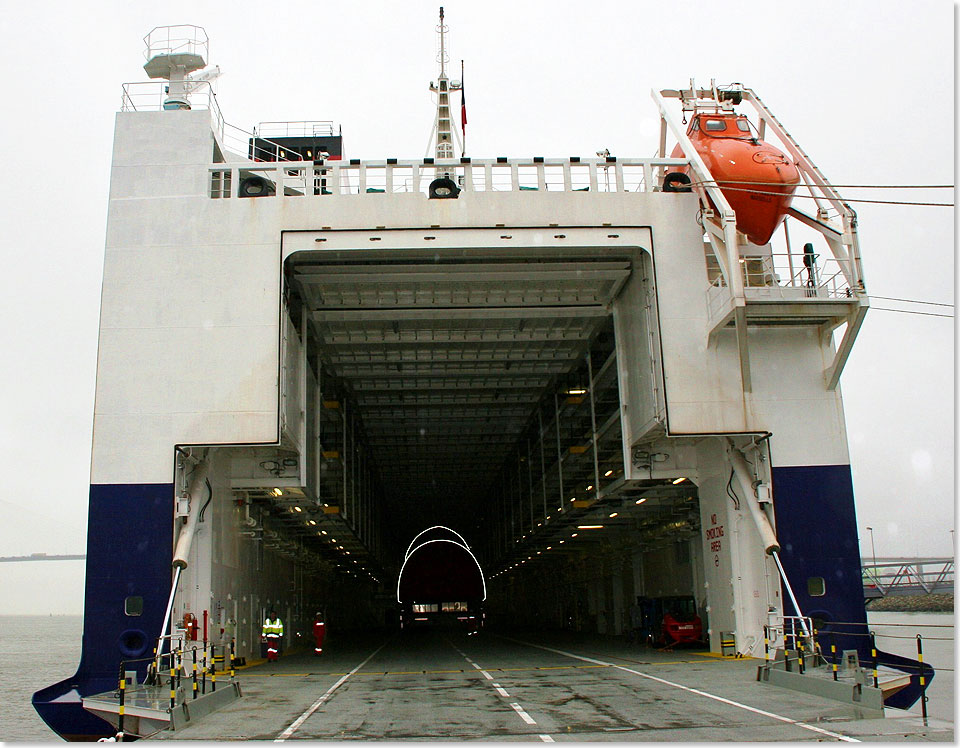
834 291
831 289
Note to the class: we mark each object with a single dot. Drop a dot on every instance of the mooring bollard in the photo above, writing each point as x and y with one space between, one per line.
923 679
873 653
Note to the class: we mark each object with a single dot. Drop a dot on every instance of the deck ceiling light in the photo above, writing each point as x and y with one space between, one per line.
297 509
313 522
573 535
589 488
678 480
323 532
277 492
575 391
640 501
608 474
613 514
589 527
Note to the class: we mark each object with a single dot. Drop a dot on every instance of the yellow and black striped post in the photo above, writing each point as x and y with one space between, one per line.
203 670
923 679
800 658
179 665
213 675
194 672
833 657
173 687
233 673
873 654
122 707
766 644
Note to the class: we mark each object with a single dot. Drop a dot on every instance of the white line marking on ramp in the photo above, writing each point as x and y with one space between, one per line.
523 715
547 739
781 718
516 706
295 725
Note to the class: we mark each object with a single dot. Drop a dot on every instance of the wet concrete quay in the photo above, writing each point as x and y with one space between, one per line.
519 686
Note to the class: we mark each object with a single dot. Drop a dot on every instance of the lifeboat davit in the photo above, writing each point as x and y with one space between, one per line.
757 179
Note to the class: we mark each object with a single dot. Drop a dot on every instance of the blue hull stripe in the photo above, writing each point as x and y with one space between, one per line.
817 530
129 549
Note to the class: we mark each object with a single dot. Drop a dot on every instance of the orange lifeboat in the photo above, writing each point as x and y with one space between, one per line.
757 179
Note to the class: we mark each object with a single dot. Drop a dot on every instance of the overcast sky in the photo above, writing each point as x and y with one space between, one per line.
866 88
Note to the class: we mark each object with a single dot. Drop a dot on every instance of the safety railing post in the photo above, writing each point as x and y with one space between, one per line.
833 654
766 644
233 673
122 706
194 672
179 664
173 687
923 679
203 671
213 673
873 654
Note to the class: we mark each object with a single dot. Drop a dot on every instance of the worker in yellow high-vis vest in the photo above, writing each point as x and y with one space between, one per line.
273 633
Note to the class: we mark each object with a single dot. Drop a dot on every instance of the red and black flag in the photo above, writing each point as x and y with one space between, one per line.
463 103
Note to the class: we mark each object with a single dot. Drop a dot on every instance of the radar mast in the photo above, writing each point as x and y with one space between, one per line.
441 138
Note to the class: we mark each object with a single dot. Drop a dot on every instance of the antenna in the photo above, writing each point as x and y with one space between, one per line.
441 137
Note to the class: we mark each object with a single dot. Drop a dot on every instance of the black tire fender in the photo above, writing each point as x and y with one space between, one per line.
676 181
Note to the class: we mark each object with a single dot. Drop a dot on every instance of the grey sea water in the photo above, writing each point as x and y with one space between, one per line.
36 651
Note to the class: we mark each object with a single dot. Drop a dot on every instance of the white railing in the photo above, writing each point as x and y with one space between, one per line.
148 96
184 39
302 129
787 277
392 176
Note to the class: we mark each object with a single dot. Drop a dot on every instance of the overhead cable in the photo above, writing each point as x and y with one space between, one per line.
843 200
911 301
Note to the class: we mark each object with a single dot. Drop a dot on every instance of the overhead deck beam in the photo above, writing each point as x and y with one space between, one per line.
586 311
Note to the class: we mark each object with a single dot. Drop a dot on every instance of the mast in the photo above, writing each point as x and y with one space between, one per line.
443 130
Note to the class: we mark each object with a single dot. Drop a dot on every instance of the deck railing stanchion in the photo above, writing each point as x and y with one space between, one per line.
122 706
923 679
